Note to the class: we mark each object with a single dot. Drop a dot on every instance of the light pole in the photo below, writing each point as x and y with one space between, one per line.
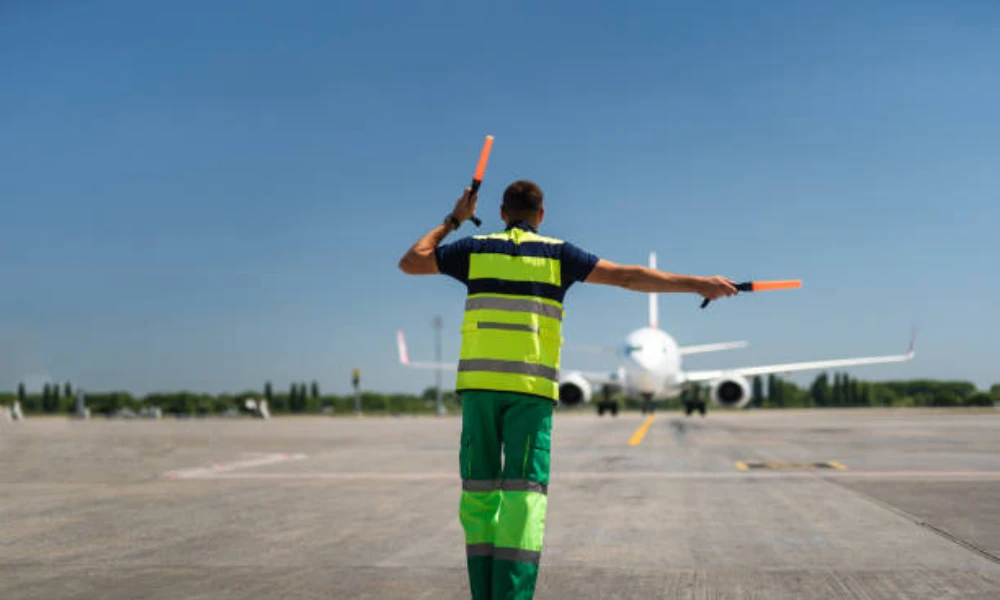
356 382
437 323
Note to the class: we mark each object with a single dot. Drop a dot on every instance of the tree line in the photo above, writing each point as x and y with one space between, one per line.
300 398
846 391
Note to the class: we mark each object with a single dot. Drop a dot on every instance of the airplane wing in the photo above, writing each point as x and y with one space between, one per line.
404 359
702 348
696 376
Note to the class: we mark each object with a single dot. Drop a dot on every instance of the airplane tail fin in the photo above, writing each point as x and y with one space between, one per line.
404 356
654 307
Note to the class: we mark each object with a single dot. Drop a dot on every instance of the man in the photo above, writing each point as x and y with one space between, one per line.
508 372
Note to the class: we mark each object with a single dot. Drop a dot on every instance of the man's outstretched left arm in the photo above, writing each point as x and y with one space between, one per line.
419 259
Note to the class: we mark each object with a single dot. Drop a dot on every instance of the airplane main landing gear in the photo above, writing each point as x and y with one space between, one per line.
647 404
611 407
690 407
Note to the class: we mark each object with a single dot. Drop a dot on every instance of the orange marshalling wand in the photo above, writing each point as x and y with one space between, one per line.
477 178
764 286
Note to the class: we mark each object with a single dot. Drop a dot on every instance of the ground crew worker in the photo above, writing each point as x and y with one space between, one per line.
508 372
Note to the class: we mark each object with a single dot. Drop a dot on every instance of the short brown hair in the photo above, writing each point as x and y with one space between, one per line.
522 199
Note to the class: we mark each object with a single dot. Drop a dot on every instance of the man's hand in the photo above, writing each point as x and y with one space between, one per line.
713 288
465 207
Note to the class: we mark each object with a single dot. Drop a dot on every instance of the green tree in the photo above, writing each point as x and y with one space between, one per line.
47 398
995 392
883 395
293 397
979 399
776 391
268 393
21 393
820 390
757 397
314 389
837 395
68 390
866 394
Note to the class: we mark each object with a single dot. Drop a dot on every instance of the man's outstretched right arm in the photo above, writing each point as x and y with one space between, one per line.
645 279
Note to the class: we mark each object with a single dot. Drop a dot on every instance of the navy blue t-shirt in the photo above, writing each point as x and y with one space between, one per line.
576 263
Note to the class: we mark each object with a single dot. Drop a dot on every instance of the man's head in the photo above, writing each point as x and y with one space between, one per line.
523 201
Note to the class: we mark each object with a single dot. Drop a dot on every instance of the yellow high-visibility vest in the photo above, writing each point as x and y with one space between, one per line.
512 330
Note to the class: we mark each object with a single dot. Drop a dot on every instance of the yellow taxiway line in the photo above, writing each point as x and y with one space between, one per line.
640 433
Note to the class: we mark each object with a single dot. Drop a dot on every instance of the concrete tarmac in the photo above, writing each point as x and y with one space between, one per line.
767 504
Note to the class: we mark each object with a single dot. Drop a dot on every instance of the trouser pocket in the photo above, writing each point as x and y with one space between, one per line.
465 457
539 458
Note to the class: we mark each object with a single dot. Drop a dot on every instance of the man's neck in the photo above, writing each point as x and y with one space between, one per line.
523 223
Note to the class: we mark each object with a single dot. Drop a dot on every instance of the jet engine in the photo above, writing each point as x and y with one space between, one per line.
731 391
574 389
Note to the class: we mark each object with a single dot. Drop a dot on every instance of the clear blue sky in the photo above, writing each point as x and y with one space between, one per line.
211 195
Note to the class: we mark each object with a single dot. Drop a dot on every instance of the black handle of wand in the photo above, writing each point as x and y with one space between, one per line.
746 286
475 188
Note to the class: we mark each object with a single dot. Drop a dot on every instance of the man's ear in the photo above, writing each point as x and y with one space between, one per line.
541 215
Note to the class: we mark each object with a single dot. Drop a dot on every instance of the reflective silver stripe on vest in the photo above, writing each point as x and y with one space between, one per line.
517 555
508 366
479 550
507 326
476 485
524 485
532 306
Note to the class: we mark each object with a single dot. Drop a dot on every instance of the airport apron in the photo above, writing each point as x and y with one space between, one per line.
508 380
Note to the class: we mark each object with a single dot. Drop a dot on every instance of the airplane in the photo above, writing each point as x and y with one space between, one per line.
650 367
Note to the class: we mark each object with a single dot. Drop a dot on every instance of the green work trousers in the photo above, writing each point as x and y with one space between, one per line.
504 461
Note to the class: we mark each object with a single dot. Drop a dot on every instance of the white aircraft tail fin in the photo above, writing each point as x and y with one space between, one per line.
654 308
404 356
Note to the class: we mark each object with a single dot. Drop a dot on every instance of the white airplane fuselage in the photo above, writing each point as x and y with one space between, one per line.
651 362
